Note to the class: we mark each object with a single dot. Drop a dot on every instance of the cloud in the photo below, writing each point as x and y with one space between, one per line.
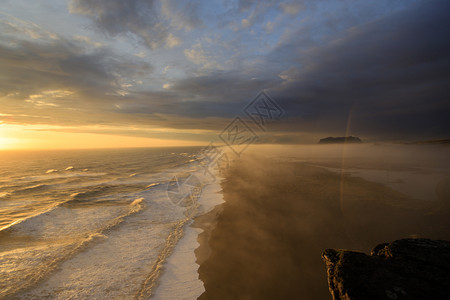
32 67
63 77
292 8
389 75
290 75
246 23
172 41
12 26
258 11
141 54
182 15
116 17
88 41
153 23
199 56
382 66
269 27
45 98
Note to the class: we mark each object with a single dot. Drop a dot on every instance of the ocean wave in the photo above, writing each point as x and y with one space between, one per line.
148 285
91 207
34 188
4 195
76 199
51 214
60 175
92 193
136 205
56 253
51 171
153 185
115 194
29 217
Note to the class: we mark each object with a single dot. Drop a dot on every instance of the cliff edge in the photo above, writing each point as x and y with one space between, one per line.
403 269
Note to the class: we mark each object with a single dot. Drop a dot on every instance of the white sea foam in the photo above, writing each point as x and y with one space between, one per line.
51 175
129 251
95 235
179 279
37 259
114 268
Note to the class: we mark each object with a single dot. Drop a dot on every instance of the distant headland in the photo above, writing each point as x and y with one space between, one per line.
341 139
431 142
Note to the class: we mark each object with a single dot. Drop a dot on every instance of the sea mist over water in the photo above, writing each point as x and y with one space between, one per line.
395 190
420 171
286 204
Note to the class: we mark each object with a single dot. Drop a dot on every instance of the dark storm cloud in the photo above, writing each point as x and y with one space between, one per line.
392 73
391 76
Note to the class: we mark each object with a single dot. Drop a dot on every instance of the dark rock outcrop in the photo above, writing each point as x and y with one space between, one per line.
342 139
404 269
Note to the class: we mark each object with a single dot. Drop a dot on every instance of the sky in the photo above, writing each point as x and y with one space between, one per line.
115 73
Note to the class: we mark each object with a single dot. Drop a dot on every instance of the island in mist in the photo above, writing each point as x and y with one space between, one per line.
340 140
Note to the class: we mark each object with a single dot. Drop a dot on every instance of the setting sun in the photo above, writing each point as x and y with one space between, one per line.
36 137
5 141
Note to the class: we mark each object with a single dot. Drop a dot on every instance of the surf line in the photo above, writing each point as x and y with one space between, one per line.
172 239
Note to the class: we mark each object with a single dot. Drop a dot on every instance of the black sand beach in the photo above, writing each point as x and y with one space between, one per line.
265 241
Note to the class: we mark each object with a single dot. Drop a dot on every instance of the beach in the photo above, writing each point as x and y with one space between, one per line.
80 225
266 240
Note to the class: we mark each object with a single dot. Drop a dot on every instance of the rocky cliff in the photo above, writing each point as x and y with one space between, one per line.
403 269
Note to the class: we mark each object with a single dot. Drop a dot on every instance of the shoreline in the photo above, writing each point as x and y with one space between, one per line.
206 222
266 239
179 276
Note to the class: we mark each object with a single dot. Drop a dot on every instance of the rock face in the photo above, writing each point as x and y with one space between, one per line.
404 269
337 140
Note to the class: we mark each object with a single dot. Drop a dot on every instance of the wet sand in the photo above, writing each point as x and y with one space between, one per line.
265 241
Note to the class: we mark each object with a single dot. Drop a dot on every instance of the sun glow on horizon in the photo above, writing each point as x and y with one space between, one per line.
6 142
36 137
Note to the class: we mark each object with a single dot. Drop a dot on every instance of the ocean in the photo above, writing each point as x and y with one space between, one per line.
101 223
115 224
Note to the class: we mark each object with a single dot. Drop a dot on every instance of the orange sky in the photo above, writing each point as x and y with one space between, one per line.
45 137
